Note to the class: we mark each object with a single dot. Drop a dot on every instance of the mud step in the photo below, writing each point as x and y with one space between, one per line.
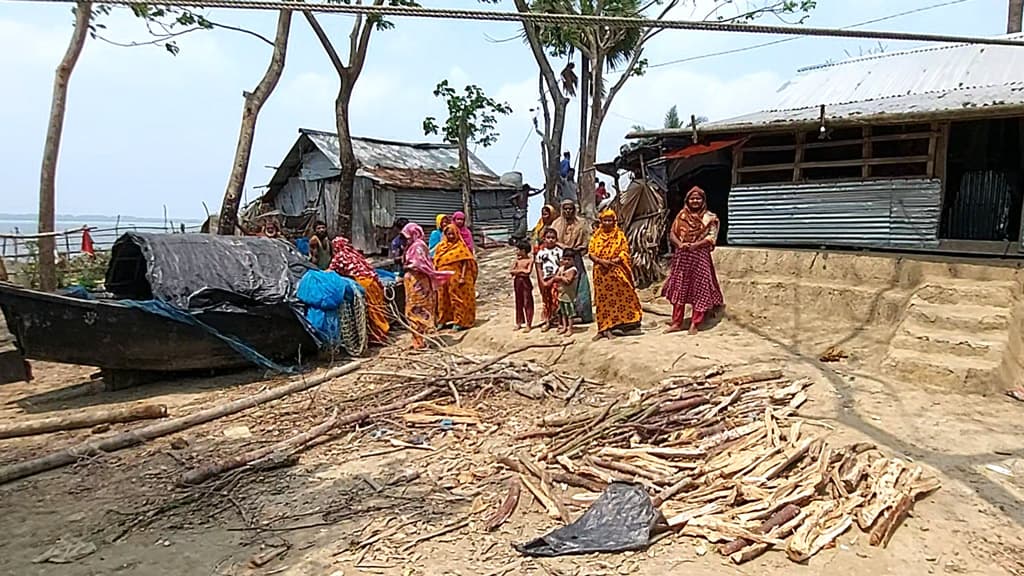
967 318
945 372
932 340
984 292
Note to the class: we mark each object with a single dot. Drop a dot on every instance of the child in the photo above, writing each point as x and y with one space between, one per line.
548 259
568 281
523 286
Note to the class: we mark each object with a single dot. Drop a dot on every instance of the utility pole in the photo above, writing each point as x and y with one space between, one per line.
1013 20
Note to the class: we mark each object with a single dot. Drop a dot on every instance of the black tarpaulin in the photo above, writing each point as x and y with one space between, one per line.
621 519
202 271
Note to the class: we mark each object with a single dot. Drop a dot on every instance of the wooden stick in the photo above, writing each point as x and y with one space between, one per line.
545 485
71 454
82 419
436 533
508 506
268 453
545 501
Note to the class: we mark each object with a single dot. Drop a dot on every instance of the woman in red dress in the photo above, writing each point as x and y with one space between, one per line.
692 278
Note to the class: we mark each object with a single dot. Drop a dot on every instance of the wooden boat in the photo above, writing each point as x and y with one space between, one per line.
114 336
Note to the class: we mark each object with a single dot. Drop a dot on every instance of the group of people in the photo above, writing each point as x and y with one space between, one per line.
555 258
440 272
439 276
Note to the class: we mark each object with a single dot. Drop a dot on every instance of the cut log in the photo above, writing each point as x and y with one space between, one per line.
72 454
82 419
289 445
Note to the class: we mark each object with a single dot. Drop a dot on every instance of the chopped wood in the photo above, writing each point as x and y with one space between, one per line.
545 500
435 534
81 419
89 448
507 507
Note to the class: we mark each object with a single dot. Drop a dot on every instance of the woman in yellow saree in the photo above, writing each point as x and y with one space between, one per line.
456 300
618 307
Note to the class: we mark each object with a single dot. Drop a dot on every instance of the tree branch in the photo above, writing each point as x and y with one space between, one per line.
242 30
321 35
357 59
156 41
538 54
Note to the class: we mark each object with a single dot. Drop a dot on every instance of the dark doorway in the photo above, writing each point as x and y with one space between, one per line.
983 186
715 180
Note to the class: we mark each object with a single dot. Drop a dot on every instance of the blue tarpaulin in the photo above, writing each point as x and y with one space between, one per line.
323 292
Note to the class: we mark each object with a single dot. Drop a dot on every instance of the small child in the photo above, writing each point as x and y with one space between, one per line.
549 257
568 282
522 285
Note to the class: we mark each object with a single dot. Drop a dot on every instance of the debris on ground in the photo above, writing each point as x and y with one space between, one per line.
833 354
728 460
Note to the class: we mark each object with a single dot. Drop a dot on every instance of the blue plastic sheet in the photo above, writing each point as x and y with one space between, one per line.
323 292
168 311
386 276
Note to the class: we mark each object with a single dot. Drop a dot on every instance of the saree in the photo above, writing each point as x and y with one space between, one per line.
456 300
464 231
614 292
692 278
547 216
436 235
422 281
347 261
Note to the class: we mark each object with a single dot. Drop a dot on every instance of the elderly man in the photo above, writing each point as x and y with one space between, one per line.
574 232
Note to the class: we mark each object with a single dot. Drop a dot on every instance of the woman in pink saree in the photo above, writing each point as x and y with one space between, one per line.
421 283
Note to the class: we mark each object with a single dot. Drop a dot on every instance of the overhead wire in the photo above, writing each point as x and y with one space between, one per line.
794 38
562 19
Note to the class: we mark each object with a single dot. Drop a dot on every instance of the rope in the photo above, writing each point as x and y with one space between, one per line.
563 19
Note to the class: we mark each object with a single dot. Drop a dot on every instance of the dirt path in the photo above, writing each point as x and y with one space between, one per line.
347 504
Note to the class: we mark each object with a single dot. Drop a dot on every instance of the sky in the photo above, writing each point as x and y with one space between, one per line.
147 130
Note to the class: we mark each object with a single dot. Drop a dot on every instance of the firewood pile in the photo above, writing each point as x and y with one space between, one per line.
727 460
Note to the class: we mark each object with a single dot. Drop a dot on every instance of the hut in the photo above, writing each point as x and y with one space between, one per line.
395 180
917 150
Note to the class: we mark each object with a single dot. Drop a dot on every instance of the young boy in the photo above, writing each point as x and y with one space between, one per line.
522 285
549 258
568 281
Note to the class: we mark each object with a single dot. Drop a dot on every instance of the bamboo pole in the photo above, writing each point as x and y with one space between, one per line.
81 419
71 454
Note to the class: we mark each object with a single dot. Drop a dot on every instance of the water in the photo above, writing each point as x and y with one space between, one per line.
108 230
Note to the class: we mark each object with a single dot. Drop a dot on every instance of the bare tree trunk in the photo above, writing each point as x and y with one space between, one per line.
254 101
51 149
585 95
1013 22
545 140
464 175
586 163
555 150
347 156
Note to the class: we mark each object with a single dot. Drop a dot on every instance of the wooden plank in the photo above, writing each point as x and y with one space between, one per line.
801 138
932 147
857 162
737 161
778 148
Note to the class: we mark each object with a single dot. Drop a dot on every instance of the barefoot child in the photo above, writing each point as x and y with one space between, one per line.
568 282
549 258
522 267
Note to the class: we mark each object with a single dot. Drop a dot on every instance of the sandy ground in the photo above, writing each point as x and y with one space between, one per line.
344 493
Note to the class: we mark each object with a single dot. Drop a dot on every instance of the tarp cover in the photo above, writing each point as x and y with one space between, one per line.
203 271
621 519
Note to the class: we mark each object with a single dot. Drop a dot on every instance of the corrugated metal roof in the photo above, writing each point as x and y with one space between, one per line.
372 153
930 82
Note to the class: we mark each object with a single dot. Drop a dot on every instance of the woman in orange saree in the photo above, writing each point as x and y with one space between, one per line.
618 307
347 261
456 301
422 282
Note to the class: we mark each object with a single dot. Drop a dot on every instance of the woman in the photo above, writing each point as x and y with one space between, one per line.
692 277
456 301
618 307
547 216
348 261
459 218
422 281
574 232
440 222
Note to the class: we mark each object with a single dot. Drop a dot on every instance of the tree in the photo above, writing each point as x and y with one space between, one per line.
472 118
164 24
672 119
348 74
254 101
621 49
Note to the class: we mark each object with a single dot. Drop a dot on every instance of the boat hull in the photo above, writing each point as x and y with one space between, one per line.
112 336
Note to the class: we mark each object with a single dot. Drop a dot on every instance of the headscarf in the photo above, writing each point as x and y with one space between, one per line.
538 230
609 244
348 261
449 252
575 234
417 256
467 236
692 225
436 235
